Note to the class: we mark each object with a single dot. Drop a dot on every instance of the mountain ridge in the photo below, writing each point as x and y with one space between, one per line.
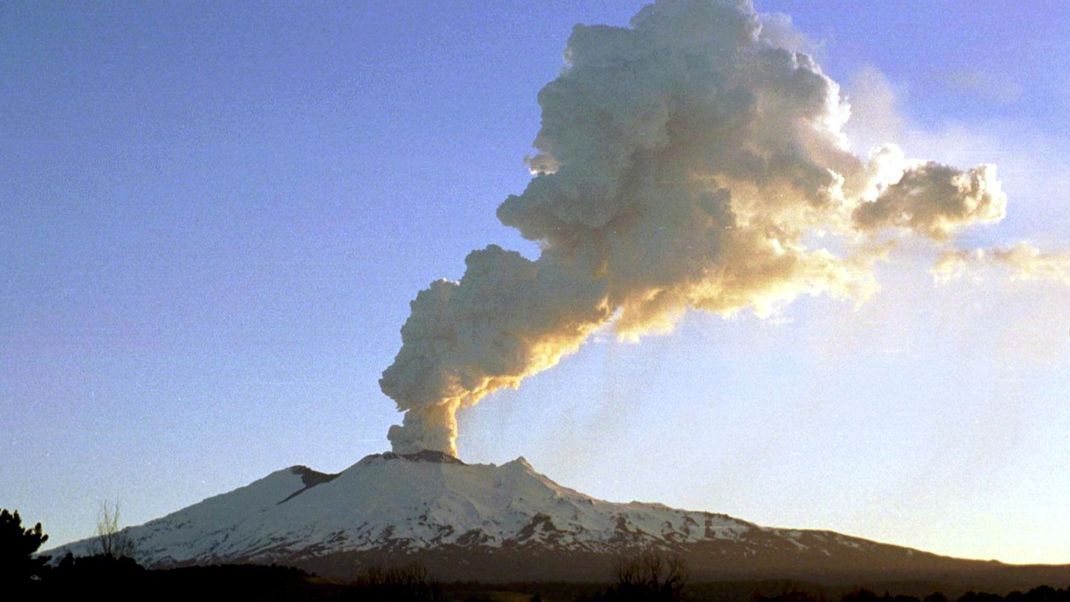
490 522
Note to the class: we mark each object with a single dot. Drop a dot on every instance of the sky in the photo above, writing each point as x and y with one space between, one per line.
213 219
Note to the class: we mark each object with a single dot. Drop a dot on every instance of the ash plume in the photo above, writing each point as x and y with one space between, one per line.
689 161
1023 261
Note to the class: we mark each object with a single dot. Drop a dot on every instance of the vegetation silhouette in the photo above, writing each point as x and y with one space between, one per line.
18 566
99 574
120 579
646 575
407 583
111 541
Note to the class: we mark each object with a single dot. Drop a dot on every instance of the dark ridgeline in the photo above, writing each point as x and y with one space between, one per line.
1042 593
662 579
649 574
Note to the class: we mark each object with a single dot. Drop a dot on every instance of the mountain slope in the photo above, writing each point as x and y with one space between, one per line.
488 522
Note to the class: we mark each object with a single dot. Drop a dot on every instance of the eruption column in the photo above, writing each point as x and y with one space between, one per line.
684 162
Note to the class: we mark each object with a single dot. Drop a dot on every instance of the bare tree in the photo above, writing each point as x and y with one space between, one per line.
407 583
649 574
112 541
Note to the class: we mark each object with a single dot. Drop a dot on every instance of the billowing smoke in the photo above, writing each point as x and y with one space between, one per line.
689 161
935 200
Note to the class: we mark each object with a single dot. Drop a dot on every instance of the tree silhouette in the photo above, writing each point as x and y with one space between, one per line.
646 575
111 540
17 547
408 583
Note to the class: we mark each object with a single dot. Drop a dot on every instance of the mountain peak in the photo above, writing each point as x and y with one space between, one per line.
431 507
522 462
427 455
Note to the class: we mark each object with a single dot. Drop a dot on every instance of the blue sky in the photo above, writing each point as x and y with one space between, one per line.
213 218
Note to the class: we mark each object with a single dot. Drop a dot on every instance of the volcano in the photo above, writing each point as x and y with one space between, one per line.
509 523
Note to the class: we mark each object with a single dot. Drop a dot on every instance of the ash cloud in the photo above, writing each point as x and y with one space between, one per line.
936 200
1022 260
685 162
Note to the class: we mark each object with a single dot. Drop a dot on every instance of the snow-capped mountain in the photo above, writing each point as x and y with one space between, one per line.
482 521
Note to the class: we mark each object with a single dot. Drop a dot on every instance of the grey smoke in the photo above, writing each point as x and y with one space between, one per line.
685 162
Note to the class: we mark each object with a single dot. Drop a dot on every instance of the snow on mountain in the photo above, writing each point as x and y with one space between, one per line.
496 523
479 521
412 502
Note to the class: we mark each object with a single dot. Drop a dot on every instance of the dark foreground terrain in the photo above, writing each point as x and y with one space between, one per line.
652 579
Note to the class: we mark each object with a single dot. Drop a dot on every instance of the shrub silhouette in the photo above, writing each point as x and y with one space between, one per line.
97 571
792 594
408 583
646 575
18 567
